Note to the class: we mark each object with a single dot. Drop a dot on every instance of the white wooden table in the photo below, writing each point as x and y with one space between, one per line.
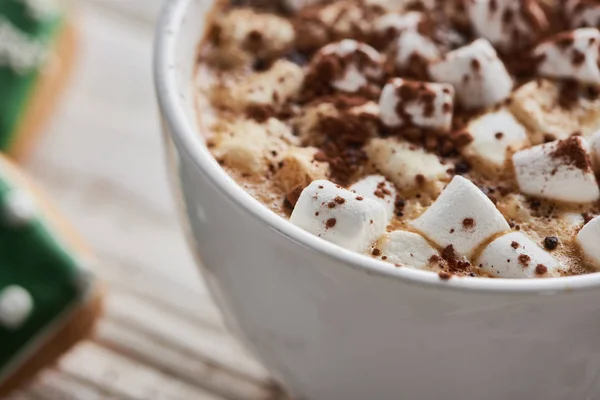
102 161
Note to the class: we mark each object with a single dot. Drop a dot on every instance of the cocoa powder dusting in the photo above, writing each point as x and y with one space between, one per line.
571 152
524 260
381 191
541 269
468 223
454 262
344 138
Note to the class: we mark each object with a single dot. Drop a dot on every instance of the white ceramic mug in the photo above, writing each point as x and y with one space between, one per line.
332 324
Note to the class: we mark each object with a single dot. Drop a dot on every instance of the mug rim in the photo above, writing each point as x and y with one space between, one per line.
183 132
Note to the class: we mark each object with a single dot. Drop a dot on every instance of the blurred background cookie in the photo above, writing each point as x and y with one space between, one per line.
36 53
48 300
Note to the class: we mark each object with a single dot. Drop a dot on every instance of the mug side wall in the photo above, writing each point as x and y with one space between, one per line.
330 330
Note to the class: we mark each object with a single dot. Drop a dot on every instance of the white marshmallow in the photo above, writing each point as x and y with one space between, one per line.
477 74
338 216
424 105
588 240
406 249
236 30
408 40
398 22
299 168
251 147
378 188
16 305
488 18
494 135
362 64
295 5
413 43
553 171
514 255
571 55
404 164
582 13
462 216
537 105
273 87
573 219
595 150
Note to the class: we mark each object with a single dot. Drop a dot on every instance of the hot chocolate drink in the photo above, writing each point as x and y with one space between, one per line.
460 137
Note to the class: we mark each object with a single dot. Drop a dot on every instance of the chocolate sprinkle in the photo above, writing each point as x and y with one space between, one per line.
551 242
445 276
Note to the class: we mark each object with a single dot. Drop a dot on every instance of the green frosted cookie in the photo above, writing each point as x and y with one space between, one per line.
42 283
28 31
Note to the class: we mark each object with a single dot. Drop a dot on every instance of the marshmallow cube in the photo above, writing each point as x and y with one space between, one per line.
409 167
537 105
412 43
515 255
421 104
462 216
339 215
588 240
378 188
494 135
408 40
406 249
488 18
398 22
571 55
295 5
477 74
560 170
273 87
582 13
362 64
299 168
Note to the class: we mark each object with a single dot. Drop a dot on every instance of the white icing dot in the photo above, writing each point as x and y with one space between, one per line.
40 9
19 208
17 50
16 305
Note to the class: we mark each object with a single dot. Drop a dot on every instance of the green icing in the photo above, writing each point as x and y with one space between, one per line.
16 88
31 257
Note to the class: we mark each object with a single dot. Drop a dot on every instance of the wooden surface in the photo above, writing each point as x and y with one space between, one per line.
101 159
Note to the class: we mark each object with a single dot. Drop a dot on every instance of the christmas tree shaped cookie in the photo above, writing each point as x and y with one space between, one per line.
48 301
36 48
